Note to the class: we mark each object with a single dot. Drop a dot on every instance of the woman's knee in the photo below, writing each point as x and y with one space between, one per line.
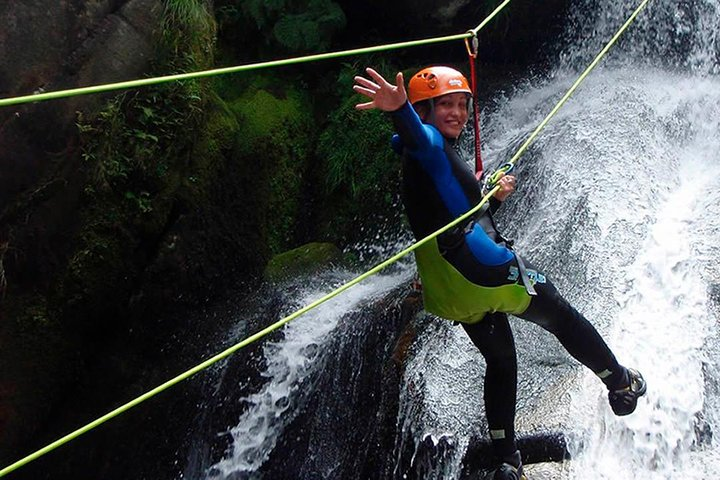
503 364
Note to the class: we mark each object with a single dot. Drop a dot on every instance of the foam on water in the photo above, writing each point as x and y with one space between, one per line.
290 364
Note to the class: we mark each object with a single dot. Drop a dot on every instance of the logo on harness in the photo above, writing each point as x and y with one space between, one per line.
533 275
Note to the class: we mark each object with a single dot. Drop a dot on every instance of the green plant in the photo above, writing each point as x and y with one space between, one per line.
141 201
355 146
298 25
188 31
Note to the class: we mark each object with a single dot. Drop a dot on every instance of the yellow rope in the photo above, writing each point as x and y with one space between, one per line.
275 326
226 353
510 163
73 92
580 79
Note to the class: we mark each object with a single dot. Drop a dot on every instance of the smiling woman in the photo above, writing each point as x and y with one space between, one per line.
469 273
450 94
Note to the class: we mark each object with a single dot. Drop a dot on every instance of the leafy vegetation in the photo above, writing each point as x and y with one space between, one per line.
137 159
275 138
355 146
296 25
188 33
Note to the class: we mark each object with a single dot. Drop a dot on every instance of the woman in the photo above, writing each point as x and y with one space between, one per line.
469 274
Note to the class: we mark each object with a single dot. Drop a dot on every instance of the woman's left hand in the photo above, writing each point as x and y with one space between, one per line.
382 94
507 186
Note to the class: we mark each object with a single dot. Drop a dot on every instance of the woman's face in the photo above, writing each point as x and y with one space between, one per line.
451 114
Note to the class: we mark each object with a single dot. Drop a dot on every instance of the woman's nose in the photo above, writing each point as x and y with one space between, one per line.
458 111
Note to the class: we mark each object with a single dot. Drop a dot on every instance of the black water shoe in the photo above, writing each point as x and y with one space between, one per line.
510 469
624 400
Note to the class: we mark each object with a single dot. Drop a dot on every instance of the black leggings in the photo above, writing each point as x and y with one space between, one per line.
494 338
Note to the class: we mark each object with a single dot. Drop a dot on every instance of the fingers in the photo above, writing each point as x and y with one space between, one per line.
377 77
506 179
507 184
365 106
366 83
400 82
364 91
384 95
369 89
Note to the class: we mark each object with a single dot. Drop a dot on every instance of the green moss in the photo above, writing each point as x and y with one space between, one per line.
359 172
209 152
274 140
301 261
97 274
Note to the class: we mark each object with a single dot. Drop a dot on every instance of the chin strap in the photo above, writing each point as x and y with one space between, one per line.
471 44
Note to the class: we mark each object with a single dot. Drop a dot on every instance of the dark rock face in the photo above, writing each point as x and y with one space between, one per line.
58 45
50 46
519 35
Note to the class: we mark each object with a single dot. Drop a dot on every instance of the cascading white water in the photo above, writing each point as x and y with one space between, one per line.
618 201
291 363
664 322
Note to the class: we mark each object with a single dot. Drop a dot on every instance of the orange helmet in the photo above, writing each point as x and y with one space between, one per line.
433 82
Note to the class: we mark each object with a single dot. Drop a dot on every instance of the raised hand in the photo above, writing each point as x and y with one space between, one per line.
383 95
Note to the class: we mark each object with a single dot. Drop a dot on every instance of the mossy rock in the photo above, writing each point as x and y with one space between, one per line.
210 150
302 261
275 143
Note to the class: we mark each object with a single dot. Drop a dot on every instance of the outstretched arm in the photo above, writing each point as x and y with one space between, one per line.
382 94
387 97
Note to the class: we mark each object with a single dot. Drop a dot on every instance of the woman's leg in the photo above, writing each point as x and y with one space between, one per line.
553 313
493 337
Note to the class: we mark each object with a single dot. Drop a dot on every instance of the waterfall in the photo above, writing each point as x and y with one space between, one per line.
310 381
618 201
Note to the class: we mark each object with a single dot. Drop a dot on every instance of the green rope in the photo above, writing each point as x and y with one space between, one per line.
475 30
577 83
511 163
280 323
334 293
40 97
226 353
73 92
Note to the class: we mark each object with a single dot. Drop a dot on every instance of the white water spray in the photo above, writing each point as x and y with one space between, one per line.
619 202
291 363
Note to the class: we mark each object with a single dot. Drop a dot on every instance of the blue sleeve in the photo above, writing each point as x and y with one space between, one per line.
422 141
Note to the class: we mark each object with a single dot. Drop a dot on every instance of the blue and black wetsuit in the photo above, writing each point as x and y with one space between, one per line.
470 276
